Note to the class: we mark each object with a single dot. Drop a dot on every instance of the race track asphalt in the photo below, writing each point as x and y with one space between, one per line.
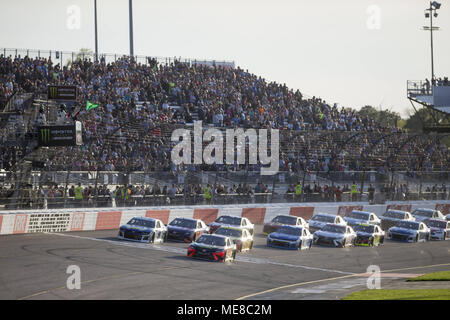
34 266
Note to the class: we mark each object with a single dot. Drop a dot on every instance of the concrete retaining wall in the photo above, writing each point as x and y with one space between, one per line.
63 220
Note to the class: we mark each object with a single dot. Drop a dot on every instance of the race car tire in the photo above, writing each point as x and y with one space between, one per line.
344 243
250 246
153 238
299 247
165 237
371 244
416 239
310 244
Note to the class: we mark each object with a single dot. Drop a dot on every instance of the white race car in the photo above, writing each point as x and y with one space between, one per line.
320 220
423 213
357 217
336 235
440 229
232 221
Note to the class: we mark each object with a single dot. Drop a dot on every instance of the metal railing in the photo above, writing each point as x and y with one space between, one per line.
46 190
64 57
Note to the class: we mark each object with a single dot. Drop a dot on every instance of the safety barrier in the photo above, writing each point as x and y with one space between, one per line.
64 220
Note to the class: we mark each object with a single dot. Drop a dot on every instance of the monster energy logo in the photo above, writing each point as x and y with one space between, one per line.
52 92
45 135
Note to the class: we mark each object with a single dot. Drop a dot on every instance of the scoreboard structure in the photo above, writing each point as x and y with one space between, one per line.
60 136
63 93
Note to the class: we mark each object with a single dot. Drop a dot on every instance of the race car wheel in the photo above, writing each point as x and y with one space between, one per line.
310 244
371 242
416 239
299 246
166 235
344 243
153 238
251 245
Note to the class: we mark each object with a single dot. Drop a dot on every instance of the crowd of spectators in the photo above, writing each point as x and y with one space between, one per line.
131 128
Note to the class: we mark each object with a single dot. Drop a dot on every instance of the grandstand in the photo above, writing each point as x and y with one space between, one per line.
127 139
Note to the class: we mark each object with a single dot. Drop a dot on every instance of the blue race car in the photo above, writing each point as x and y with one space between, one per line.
290 237
143 229
410 231
185 229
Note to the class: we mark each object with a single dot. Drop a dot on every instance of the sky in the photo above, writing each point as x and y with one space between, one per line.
350 52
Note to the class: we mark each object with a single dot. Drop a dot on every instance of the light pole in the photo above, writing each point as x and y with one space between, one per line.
95 22
429 13
131 28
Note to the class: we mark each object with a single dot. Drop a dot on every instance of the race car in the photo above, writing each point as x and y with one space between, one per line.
440 229
232 221
212 247
368 234
290 237
391 217
143 229
185 229
410 231
240 237
283 219
422 214
320 220
357 217
336 235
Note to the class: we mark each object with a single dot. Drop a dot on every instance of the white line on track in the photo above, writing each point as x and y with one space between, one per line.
166 248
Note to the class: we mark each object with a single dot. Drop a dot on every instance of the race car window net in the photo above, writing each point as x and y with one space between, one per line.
323 218
285 220
428 214
229 220
291 231
408 225
368 229
229 232
392 214
211 240
183 223
142 223
334 229
357 215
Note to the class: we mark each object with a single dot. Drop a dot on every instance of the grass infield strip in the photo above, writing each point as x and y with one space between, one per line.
417 294
435 276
